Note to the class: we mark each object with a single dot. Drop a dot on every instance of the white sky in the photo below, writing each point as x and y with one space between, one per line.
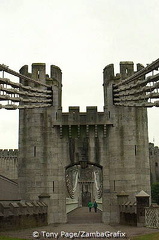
81 37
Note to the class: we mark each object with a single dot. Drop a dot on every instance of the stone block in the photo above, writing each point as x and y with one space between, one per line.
15 209
23 208
5 209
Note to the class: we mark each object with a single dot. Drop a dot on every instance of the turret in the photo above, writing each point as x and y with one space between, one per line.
108 76
56 75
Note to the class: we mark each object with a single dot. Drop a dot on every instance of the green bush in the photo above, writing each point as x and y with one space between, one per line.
155 192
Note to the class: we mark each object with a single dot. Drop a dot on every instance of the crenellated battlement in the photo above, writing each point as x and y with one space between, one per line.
9 163
126 70
38 72
90 117
154 150
8 153
54 80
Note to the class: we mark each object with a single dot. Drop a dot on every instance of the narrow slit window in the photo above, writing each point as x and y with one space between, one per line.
53 186
34 151
114 185
135 150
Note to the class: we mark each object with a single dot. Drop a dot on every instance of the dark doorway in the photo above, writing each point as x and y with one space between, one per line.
86 197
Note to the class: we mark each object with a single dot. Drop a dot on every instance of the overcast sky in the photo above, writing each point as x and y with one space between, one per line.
81 37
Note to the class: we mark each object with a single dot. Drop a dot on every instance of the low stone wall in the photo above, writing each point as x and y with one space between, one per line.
22 215
8 190
128 213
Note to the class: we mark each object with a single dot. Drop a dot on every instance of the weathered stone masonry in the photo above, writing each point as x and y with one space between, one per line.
9 163
50 140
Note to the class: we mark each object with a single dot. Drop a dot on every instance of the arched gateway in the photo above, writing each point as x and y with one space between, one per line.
82 155
84 182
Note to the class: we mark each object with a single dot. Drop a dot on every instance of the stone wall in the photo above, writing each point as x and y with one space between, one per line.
18 215
9 163
154 162
8 190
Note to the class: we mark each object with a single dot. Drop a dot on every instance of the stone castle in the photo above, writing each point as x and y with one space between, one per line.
82 155
51 142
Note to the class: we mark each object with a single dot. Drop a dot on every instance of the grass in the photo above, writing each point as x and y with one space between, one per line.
152 236
10 238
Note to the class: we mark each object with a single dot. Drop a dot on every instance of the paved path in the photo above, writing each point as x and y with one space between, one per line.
79 220
82 215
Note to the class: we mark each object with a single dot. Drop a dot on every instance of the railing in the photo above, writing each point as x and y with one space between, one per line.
71 204
138 91
99 202
152 217
19 96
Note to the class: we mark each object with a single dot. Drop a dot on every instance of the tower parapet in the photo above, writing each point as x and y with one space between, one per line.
56 75
126 70
54 80
110 78
39 73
